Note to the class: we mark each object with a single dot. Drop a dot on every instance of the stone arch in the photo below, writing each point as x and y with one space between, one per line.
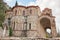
45 22
48 17
50 22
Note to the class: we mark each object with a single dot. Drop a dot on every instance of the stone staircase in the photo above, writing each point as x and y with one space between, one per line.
27 38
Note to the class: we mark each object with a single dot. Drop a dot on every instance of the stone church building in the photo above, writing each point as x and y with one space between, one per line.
29 21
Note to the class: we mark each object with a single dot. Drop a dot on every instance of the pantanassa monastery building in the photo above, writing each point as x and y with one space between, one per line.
29 21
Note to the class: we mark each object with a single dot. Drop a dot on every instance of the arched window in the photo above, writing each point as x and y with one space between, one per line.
48 14
25 26
29 26
30 11
9 21
14 26
15 12
9 18
23 13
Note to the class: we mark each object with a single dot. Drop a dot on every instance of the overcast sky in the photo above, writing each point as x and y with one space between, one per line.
53 4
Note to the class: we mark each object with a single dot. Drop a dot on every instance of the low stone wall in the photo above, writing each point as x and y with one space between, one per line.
27 38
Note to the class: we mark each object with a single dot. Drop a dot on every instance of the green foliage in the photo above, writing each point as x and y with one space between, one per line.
10 31
2 12
47 36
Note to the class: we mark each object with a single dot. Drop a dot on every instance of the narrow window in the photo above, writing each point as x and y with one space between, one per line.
25 18
15 12
9 18
30 11
25 26
29 26
14 26
9 21
23 13
48 14
25 29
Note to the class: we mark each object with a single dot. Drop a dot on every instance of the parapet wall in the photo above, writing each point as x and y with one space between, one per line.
27 38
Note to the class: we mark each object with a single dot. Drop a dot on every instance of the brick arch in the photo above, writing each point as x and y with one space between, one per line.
46 20
48 17
53 29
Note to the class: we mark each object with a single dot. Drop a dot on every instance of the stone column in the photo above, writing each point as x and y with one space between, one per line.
53 28
4 31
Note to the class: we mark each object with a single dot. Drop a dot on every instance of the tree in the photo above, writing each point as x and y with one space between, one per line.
2 12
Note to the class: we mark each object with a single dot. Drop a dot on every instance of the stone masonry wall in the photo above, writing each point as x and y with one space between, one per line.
27 38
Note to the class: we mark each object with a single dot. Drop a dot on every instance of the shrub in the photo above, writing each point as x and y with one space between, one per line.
10 31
